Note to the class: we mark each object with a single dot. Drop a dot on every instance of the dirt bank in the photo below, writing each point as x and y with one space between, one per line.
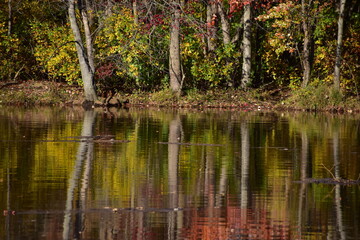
61 94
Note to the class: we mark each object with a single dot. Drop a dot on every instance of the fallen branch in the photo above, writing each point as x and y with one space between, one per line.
192 144
329 171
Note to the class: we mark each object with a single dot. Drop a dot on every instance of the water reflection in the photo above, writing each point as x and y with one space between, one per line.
83 160
339 214
180 175
303 175
174 219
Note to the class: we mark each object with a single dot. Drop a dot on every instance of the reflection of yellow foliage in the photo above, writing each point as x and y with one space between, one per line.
135 174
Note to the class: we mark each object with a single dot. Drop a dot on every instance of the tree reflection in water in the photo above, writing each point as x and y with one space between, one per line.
220 175
83 163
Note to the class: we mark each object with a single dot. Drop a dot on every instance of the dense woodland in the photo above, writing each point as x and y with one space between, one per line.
181 45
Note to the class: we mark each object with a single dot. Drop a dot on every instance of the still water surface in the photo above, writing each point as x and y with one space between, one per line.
177 175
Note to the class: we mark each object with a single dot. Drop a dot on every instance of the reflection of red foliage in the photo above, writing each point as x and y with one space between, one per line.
237 223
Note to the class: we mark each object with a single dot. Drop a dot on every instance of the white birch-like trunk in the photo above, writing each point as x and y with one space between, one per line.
85 66
339 45
87 31
246 65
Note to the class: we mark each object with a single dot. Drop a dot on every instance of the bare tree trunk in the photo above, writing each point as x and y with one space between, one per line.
211 10
89 46
174 57
87 73
9 18
225 25
339 45
135 12
246 65
9 28
306 48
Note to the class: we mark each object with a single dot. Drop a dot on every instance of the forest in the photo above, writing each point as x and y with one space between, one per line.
184 46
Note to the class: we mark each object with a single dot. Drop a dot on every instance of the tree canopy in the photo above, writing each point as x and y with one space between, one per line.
219 44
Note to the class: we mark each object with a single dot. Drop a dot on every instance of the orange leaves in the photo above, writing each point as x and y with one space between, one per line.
292 50
237 5
212 23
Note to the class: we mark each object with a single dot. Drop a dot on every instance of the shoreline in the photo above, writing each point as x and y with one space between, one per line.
44 93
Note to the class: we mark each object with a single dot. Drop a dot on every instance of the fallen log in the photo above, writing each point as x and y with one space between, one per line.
193 144
334 181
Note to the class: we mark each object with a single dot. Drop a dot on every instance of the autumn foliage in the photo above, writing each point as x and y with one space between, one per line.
131 43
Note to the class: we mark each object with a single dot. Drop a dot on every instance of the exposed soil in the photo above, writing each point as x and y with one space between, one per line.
39 93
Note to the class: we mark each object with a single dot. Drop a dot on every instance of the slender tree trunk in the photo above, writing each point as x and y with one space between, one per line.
225 25
10 30
307 40
90 9
9 18
135 12
246 66
339 45
109 8
174 57
87 73
211 10
89 46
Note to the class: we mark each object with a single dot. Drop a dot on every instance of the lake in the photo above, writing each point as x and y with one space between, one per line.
132 173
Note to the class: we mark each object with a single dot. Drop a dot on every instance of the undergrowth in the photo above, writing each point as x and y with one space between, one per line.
316 98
